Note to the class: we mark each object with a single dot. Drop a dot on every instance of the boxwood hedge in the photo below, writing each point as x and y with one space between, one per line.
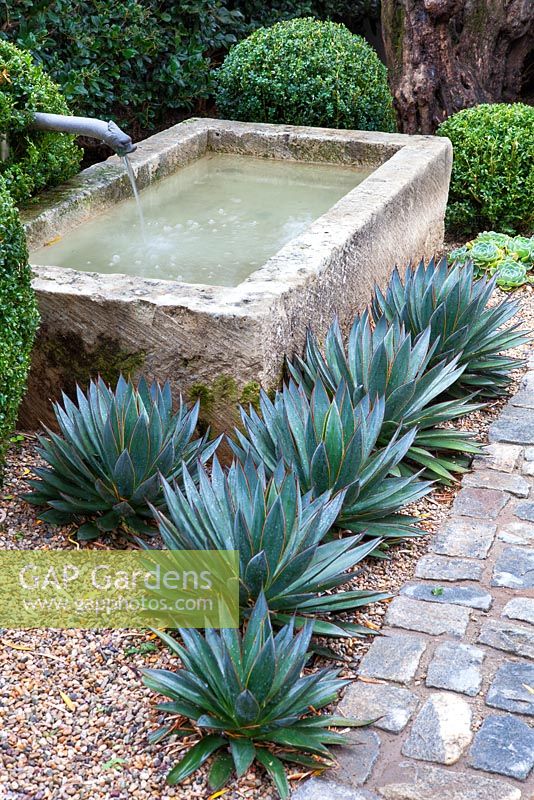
306 72
18 314
492 184
36 159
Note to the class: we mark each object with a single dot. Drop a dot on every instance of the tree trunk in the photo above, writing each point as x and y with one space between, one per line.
445 55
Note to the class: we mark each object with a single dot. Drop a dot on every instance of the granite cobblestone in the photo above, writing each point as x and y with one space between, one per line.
471 602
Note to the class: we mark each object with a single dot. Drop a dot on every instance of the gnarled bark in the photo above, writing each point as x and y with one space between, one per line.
445 55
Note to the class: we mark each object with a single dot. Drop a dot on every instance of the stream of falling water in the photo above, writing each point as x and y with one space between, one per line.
131 175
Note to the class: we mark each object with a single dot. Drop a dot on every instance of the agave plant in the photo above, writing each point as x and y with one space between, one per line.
250 699
332 444
106 462
385 361
279 537
454 305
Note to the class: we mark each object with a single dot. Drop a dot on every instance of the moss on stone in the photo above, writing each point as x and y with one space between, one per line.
250 394
477 19
200 392
75 363
397 33
222 397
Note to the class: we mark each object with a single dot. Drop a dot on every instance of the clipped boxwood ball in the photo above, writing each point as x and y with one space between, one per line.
305 72
18 315
37 159
492 184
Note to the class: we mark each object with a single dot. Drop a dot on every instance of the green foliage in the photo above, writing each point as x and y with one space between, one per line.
454 305
509 258
386 362
139 62
278 535
36 159
352 12
112 449
18 315
306 72
492 180
129 60
249 693
332 444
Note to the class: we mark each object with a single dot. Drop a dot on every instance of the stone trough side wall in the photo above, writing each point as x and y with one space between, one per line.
218 343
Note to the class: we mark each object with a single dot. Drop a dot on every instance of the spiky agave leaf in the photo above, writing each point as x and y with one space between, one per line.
386 362
250 694
332 444
113 445
278 534
454 305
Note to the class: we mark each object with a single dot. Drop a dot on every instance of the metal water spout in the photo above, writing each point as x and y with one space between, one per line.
107 132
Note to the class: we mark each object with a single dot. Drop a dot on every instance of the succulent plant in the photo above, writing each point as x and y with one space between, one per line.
454 305
522 248
332 445
511 265
105 463
485 253
459 255
498 239
279 536
250 699
387 362
510 274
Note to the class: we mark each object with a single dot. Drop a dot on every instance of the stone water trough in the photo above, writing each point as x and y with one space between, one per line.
219 343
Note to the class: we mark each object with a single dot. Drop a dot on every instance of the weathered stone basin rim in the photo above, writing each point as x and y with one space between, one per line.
198 335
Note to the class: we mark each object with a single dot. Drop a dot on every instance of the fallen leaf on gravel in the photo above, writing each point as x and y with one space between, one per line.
71 705
18 646
218 794
373 626
114 763
369 680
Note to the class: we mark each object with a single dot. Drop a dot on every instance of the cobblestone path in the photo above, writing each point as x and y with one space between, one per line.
452 678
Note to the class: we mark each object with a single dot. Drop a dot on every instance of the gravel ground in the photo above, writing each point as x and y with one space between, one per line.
74 715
